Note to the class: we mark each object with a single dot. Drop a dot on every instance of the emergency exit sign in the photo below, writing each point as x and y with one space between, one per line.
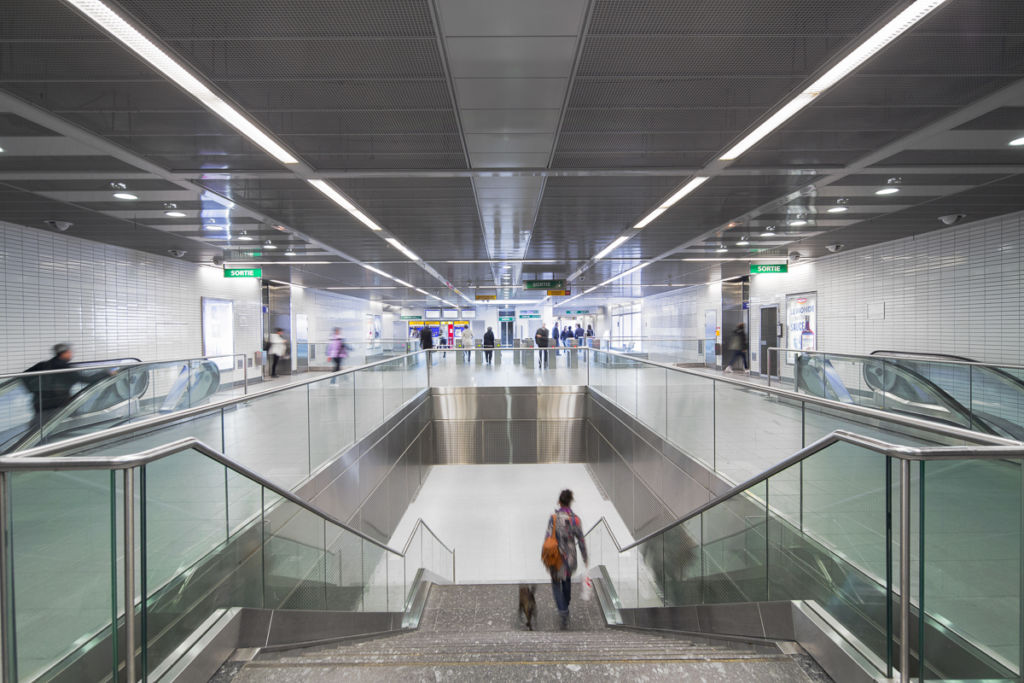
762 268
243 272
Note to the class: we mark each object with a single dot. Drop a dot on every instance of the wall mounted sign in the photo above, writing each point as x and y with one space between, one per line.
801 323
243 272
558 292
763 268
486 297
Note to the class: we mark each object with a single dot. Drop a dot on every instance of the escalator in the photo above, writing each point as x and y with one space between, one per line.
101 397
978 397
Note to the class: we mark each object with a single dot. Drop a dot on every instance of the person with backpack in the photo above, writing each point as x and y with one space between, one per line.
564 533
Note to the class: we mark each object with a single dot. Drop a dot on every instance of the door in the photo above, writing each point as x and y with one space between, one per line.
710 326
507 333
769 339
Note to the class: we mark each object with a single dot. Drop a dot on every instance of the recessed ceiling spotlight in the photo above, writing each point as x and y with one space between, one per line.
891 183
290 252
244 237
798 222
769 231
837 209
1 150
1013 143
269 245
721 249
125 195
175 214
744 241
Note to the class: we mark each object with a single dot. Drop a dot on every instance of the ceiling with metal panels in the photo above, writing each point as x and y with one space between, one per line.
415 151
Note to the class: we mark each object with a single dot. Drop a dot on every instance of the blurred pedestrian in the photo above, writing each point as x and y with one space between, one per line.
738 346
542 338
488 344
568 531
337 350
278 349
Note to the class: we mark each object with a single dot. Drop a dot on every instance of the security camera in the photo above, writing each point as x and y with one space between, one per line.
952 218
60 225
177 253
835 247
217 261
795 256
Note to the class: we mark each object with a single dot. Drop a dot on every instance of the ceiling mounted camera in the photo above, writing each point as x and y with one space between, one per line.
795 256
63 226
835 247
952 218
177 253
217 261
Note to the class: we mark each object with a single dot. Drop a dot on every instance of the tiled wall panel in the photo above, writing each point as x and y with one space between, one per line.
955 291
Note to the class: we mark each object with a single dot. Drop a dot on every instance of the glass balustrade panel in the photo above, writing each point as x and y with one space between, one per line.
332 415
690 409
369 397
734 548
294 558
774 434
270 435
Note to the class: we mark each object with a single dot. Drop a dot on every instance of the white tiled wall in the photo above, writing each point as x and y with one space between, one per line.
108 302
327 310
955 291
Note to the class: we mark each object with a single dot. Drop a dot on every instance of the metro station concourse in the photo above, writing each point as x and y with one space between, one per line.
322 317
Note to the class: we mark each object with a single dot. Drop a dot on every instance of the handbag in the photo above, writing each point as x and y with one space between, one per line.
549 553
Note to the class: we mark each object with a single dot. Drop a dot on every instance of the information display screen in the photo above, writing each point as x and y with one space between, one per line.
432 313
449 314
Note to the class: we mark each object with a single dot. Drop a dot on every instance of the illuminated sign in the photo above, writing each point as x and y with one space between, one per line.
762 268
243 272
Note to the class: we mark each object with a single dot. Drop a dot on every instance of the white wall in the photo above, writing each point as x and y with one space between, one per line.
109 302
957 291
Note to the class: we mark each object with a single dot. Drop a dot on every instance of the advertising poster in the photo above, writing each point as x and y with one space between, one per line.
801 323
219 331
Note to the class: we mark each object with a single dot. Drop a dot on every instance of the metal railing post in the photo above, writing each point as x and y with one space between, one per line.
905 570
7 671
129 575
245 375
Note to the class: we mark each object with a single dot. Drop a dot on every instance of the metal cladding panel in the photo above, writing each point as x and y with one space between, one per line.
497 443
651 514
622 493
560 441
459 442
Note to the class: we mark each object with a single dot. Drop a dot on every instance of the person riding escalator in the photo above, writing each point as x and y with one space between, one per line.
52 391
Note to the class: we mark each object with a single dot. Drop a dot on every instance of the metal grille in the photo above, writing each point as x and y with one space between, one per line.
458 442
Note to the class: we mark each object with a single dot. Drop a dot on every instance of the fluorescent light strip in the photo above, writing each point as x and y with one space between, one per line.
611 247
290 284
402 248
289 262
376 270
344 203
131 38
404 283
863 52
622 275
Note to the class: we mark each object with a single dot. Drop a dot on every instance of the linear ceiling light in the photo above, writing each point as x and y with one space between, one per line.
131 38
863 52
376 270
611 247
622 275
344 203
403 282
667 204
402 248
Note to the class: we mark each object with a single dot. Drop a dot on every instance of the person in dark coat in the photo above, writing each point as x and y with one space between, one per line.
427 341
53 391
542 337
738 346
579 334
488 344
555 335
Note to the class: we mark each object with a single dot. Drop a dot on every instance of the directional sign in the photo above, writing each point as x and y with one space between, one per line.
761 268
558 292
544 284
486 297
243 272
412 317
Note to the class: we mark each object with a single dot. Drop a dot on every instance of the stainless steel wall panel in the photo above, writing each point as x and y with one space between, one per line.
459 442
374 515
622 494
647 463
680 491
560 441
560 405
524 441
497 442
651 513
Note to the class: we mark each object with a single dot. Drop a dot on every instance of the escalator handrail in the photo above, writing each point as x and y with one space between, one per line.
150 423
124 462
126 363
882 447
997 370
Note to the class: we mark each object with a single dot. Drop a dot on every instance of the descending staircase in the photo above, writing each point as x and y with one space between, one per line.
473 633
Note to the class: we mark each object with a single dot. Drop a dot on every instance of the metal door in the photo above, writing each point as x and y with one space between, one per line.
769 339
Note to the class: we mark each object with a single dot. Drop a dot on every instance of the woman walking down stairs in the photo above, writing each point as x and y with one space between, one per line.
473 633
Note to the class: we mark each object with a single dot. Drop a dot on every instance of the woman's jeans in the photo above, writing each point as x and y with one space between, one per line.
563 594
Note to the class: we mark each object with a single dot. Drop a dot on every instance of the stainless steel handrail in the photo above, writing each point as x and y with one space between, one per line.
128 463
906 455
911 357
863 411
129 364
160 420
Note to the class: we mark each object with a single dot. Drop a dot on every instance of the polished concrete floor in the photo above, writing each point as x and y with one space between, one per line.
494 516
